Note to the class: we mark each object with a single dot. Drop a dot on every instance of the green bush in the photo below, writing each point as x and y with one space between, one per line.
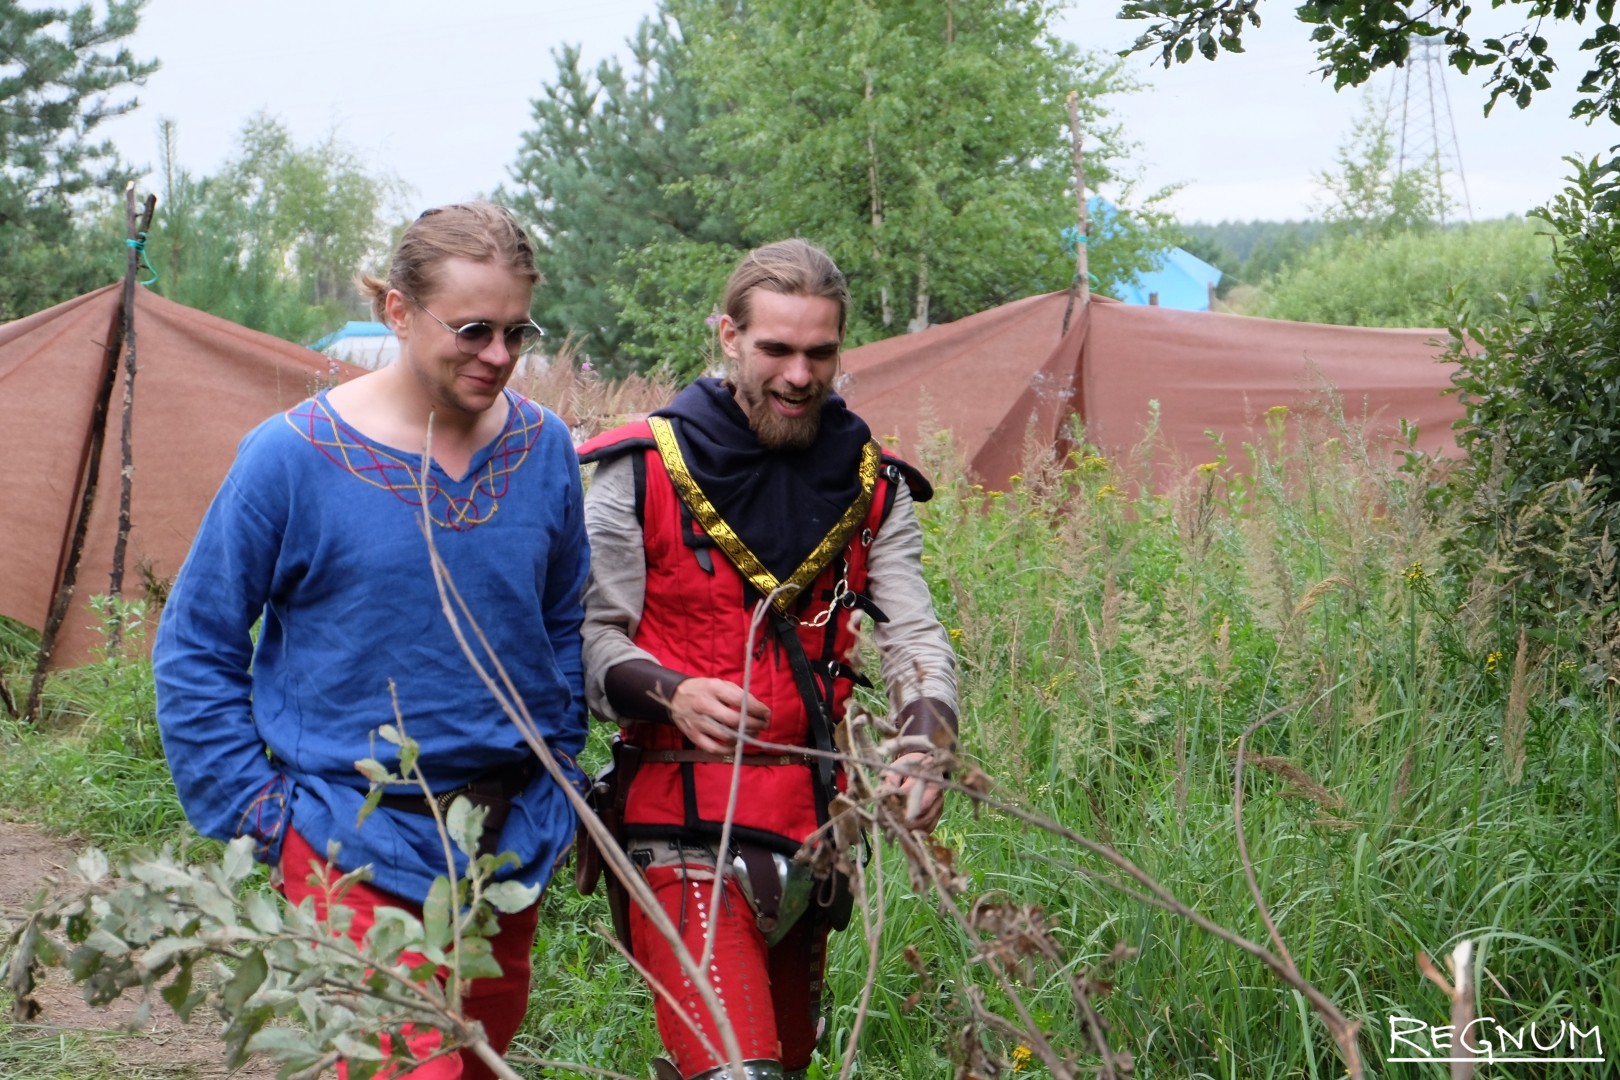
1409 278
1541 385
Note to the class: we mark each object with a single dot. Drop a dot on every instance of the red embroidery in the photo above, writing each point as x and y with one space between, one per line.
345 448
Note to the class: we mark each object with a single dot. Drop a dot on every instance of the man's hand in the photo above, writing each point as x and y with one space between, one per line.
924 808
710 712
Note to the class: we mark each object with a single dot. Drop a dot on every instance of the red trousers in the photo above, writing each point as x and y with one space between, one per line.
771 997
499 1004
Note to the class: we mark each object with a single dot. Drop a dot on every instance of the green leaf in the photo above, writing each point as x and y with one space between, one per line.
239 1030
238 859
374 799
106 943
465 822
250 975
179 994
422 972
374 770
291 1048
394 932
161 874
363 1048
511 897
477 959
262 912
92 865
162 952
436 914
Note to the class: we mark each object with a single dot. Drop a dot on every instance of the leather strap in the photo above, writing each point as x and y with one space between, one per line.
815 711
703 757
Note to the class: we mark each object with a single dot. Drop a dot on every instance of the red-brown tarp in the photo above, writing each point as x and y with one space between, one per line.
1002 377
201 384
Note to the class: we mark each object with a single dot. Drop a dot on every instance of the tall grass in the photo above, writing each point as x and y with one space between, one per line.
1430 776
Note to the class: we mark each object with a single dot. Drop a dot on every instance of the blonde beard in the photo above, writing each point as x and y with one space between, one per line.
776 432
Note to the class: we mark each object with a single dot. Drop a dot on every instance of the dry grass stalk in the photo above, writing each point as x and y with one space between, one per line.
1345 1031
588 403
1516 722
1301 785
1403 783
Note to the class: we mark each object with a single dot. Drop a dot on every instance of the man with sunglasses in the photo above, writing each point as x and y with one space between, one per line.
737 533
317 535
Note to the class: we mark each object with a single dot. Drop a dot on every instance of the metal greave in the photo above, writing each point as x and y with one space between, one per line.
757 1069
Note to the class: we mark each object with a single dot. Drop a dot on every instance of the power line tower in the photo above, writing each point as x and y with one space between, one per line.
1427 134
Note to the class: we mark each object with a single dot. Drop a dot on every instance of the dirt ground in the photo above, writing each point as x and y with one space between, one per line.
164 1047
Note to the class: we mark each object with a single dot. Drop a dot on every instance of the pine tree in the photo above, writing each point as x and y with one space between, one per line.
59 80
604 175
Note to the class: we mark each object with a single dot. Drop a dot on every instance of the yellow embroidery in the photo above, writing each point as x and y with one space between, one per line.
746 562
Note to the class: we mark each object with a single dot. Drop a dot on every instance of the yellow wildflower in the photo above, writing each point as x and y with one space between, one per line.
1015 478
1277 412
1209 466
956 633
1105 491
1021 1056
1492 658
1414 573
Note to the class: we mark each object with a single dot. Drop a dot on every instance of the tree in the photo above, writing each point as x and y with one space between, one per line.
924 146
274 240
1358 37
1370 194
1542 392
58 82
602 176
923 143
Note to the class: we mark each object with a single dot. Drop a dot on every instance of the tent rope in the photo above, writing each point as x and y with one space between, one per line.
139 244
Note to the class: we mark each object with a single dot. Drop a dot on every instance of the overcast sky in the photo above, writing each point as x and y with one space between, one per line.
439 94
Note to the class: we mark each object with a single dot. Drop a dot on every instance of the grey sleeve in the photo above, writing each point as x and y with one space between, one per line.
617 585
915 648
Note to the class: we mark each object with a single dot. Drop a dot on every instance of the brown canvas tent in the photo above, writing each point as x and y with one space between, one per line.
201 384
1002 376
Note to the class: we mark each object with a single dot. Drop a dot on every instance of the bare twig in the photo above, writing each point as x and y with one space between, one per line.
1242 840
500 686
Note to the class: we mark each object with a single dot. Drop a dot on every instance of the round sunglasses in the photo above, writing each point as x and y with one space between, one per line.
474 337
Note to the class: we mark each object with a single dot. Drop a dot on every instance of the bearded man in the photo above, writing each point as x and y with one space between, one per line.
758 489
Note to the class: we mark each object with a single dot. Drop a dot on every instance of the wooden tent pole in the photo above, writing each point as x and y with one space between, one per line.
1081 285
126 474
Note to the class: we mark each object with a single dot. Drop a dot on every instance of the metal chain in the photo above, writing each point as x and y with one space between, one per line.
840 591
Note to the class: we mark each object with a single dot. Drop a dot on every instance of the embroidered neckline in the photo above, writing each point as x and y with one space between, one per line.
373 464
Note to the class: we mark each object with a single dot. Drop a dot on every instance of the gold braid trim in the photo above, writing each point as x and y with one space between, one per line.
726 538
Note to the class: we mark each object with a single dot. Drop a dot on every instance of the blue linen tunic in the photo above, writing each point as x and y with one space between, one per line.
318 530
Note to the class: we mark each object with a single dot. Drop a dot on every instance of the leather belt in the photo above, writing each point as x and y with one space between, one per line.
703 757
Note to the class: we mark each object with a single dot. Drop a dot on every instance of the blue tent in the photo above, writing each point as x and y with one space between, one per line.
369 344
1181 280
